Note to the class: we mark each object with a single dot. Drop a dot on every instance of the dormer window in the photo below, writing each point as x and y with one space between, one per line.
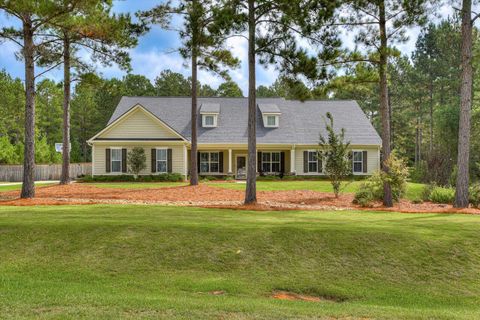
270 114
272 121
209 113
209 120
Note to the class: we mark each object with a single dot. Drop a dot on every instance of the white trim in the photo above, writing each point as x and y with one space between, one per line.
215 120
265 120
166 160
133 109
279 160
229 161
93 160
185 161
121 159
292 161
353 162
209 162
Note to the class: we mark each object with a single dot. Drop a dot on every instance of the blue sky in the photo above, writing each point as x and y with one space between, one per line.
154 53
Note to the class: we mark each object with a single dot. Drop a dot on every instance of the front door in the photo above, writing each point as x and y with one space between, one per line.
241 167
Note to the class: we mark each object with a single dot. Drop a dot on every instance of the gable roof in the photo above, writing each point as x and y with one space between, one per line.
210 108
300 122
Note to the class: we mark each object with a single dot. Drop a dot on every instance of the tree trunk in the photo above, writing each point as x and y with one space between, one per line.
28 185
384 105
431 115
251 190
65 176
193 151
461 195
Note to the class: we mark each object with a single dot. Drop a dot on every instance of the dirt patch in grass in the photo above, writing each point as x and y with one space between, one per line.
211 196
291 296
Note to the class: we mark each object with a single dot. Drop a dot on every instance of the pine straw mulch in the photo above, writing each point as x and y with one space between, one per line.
210 196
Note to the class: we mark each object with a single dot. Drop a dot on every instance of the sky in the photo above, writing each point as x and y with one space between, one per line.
156 52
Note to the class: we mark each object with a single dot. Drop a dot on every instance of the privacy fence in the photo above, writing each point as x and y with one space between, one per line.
14 173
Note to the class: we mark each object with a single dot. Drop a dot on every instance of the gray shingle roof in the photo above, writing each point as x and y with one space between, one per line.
210 108
300 122
268 108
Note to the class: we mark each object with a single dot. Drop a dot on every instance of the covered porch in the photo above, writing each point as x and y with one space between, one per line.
232 161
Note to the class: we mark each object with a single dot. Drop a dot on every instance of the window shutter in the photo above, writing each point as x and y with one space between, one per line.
319 162
154 160
124 160
220 162
365 161
259 161
305 161
169 160
350 158
108 163
282 162
198 161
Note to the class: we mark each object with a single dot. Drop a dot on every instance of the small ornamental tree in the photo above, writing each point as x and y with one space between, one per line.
137 161
337 164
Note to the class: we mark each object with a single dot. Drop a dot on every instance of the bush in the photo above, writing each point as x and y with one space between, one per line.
442 195
427 191
475 195
137 161
167 177
372 189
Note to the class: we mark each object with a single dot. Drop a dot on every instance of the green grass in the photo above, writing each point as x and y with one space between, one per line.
5 188
111 262
414 190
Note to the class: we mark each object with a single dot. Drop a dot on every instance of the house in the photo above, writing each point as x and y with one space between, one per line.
287 136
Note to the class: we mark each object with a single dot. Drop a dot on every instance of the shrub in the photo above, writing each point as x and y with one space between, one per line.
427 191
442 195
167 177
137 161
475 195
372 188
417 201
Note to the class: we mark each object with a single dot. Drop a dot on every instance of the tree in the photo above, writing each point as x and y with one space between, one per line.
271 29
203 43
229 89
463 177
49 110
33 16
172 84
335 155
12 100
137 161
90 27
138 85
379 24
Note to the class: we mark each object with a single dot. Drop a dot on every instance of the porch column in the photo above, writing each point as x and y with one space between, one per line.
185 162
292 161
230 161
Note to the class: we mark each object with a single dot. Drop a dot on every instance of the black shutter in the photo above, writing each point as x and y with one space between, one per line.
259 161
305 161
282 162
169 160
154 160
107 160
198 161
350 158
365 162
220 162
124 160
319 162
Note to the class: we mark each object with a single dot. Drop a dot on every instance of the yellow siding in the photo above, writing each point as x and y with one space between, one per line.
99 156
372 160
138 124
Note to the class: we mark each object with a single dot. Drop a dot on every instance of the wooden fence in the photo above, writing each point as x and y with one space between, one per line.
14 173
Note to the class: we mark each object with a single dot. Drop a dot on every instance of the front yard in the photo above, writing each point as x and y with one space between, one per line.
159 262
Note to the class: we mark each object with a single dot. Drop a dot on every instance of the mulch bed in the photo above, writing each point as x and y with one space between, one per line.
210 196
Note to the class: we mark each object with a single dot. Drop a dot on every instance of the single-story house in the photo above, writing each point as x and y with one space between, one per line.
287 136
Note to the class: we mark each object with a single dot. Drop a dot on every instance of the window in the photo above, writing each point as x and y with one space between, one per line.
358 161
271 121
209 162
161 160
270 162
209 120
312 161
116 160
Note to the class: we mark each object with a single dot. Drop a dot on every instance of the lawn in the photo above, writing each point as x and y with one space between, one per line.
10 187
414 190
134 262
